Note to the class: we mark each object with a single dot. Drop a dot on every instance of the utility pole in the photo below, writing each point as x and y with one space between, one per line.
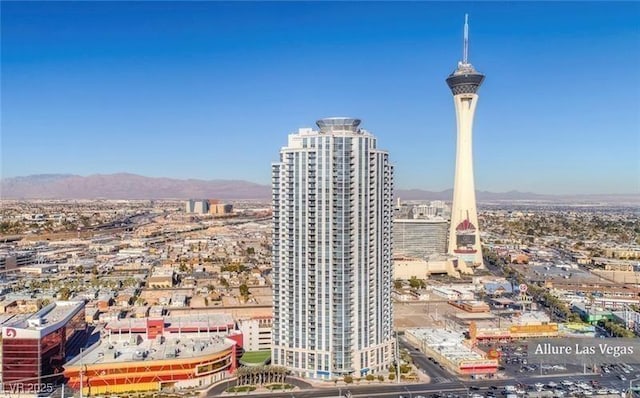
397 360
81 370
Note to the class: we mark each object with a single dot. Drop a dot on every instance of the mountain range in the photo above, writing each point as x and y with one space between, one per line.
132 186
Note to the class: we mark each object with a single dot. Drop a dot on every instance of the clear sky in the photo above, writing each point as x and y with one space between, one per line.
210 90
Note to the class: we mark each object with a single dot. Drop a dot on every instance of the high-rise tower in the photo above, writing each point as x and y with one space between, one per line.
464 232
332 276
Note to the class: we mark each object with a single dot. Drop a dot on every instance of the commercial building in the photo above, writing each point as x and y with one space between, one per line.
197 206
332 275
464 232
419 237
629 318
34 348
40 269
591 314
162 277
473 306
155 355
217 208
452 351
16 259
527 325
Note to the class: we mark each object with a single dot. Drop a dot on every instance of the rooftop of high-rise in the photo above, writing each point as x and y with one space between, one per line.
338 124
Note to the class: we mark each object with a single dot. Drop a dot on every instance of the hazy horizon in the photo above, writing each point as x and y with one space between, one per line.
210 90
478 189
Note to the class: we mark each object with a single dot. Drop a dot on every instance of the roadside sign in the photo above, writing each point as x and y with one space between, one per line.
523 288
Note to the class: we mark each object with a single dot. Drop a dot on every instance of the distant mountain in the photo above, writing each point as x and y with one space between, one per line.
132 186
126 186
517 196
418 194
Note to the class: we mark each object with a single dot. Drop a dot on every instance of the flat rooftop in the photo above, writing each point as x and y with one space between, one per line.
11 319
470 316
185 323
503 301
531 317
49 315
447 343
138 348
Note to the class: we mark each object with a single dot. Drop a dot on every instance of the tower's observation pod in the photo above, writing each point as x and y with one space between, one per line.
465 80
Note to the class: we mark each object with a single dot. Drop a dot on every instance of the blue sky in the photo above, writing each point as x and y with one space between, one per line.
210 90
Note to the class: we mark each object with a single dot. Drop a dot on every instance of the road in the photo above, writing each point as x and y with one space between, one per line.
456 387
422 362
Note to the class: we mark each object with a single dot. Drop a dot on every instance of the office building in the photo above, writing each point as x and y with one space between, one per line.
464 232
197 206
332 275
34 348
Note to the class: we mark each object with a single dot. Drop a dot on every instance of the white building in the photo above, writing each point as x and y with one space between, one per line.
419 237
197 206
332 275
256 333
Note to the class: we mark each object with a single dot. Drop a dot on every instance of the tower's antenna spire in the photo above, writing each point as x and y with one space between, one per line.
465 51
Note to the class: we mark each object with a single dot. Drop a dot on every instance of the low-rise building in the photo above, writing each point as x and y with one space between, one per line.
452 350
152 360
162 278
256 332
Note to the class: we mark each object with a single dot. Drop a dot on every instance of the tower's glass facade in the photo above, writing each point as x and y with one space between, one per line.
332 221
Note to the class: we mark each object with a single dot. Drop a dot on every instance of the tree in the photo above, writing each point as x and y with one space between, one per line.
64 293
397 284
416 283
370 377
244 291
392 376
380 378
348 379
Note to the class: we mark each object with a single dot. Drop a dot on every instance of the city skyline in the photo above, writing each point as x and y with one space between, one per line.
97 89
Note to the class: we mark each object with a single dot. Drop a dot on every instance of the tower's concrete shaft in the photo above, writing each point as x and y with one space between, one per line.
464 232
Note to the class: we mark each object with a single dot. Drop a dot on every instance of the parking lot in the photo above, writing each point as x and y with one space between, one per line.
514 362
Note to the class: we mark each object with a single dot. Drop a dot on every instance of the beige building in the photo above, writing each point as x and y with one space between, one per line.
220 208
629 253
161 278
405 268
18 306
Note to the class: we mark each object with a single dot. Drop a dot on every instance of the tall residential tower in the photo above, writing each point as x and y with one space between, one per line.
464 232
332 275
